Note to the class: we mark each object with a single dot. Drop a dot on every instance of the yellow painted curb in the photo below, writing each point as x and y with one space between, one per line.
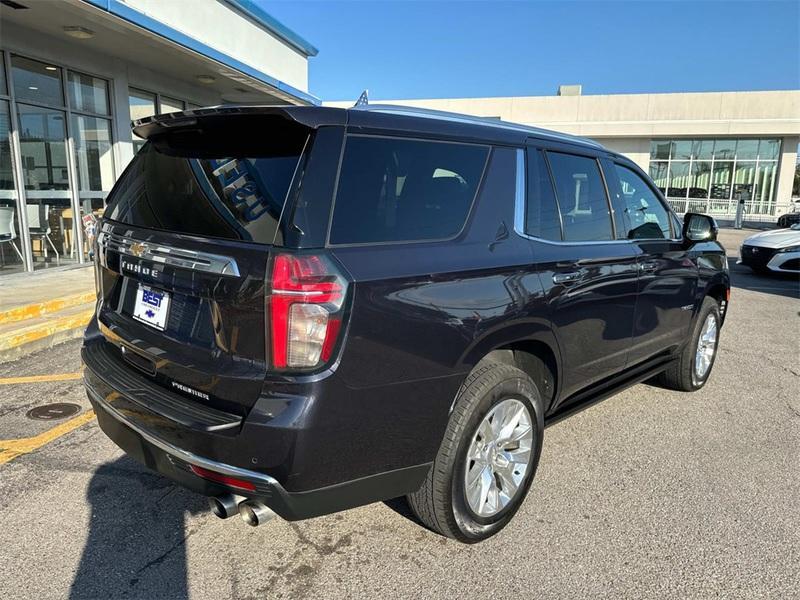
11 449
31 311
26 335
41 378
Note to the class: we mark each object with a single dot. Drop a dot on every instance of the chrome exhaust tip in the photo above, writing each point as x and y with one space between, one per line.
255 513
225 506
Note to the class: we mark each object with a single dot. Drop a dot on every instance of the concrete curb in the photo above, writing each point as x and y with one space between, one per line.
38 309
45 334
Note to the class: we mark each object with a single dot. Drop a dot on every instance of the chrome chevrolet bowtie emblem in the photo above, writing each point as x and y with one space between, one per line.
138 249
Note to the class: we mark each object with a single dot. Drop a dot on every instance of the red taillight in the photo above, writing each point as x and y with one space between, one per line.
305 304
223 479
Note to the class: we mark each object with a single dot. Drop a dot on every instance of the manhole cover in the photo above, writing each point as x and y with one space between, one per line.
51 412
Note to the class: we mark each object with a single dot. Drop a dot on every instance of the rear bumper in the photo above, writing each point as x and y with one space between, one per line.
175 463
305 461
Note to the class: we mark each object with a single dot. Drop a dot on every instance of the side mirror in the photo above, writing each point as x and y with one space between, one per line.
699 228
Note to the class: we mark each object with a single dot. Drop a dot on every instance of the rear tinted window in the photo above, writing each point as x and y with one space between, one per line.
581 197
541 209
204 188
393 189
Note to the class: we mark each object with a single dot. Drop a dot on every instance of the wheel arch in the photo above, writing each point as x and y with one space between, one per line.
537 355
719 289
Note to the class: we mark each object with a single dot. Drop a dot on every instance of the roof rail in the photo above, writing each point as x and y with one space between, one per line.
473 120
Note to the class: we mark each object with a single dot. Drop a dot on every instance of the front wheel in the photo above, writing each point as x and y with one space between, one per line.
693 367
488 457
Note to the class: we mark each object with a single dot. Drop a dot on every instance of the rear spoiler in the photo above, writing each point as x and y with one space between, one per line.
308 116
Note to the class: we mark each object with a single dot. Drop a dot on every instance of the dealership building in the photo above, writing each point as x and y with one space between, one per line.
74 73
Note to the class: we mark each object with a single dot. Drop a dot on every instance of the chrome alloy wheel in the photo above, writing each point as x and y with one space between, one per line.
706 348
498 457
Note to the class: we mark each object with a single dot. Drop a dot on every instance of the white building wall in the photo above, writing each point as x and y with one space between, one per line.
240 37
774 113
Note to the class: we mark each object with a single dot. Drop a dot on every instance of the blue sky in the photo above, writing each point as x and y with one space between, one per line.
454 49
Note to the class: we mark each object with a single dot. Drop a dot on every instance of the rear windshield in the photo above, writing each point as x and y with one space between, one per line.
394 189
216 181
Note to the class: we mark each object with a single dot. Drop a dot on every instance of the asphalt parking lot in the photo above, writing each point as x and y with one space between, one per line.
648 494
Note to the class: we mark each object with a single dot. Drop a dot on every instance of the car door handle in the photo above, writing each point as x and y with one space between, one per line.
566 278
648 266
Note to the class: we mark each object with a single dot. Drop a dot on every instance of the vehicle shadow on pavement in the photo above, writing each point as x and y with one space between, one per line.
780 284
136 546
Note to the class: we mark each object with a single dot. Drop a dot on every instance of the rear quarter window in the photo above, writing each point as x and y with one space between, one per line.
395 189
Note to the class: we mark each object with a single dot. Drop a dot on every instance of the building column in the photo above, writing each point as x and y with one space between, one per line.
786 167
123 141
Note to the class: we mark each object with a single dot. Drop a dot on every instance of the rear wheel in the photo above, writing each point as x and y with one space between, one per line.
488 457
692 369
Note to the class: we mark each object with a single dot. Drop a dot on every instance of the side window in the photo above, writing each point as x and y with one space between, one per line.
646 216
394 189
581 197
541 209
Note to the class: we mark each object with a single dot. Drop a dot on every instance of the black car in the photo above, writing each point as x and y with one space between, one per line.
304 309
787 220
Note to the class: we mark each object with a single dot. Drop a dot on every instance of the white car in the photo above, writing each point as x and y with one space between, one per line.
777 250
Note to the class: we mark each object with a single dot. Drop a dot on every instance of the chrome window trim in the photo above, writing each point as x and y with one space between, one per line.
179 258
519 215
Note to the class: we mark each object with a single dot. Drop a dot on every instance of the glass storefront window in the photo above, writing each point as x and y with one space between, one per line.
660 150
95 162
724 149
88 93
6 169
11 258
703 149
746 149
48 206
743 176
764 184
2 74
769 149
721 180
64 163
719 149
658 173
169 105
722 172
682 150
43 148
37 81
142 104
701 178
678 179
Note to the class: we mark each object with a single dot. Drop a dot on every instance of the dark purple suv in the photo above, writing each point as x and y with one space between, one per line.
302 310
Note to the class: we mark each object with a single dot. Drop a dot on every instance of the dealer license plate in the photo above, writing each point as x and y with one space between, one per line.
152 307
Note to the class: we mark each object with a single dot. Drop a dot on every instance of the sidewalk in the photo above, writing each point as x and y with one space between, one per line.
42 309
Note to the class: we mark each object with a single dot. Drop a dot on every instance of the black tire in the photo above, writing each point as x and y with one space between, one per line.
441 502
681 374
